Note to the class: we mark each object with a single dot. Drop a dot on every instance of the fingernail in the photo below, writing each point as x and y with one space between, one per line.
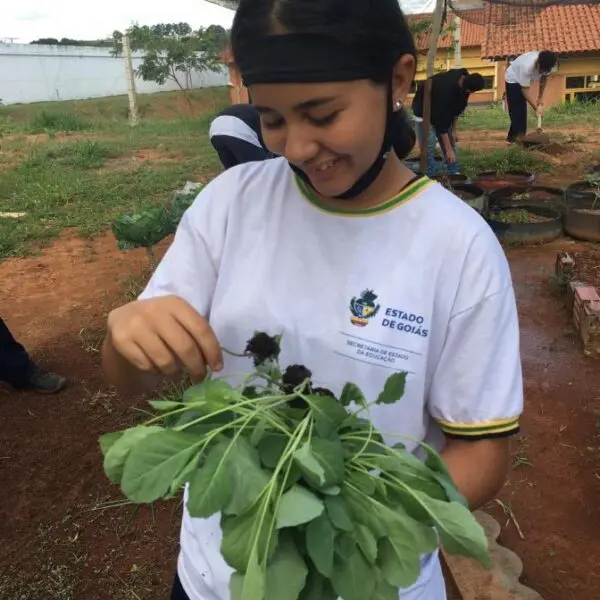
218 366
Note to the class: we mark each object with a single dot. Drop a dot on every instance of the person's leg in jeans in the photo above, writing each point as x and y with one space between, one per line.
19 371
517 111
419 131
177 592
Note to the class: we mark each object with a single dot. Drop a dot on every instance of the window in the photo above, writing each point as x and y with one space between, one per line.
488 82
582 82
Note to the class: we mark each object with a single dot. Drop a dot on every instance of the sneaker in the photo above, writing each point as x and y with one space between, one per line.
43 382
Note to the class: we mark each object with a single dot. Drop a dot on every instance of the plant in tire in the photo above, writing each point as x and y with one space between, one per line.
313 503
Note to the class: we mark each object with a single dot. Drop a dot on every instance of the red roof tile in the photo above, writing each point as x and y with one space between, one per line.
471 30
566 29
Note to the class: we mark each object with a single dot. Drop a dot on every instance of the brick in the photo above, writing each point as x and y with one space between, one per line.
501 582
573 285
587 293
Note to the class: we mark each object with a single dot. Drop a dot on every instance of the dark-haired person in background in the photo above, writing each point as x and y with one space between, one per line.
236 136
521 73
450 93
287 244
20 372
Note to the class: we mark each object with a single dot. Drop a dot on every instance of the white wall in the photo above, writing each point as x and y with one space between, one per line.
32 73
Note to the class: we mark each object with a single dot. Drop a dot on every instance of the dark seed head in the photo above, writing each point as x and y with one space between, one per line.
323 392
263 347
294 376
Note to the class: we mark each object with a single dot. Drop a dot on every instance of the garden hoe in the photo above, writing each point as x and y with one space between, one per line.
536 139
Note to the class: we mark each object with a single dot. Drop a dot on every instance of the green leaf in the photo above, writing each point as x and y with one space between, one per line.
212 485
214 394
383 590
399 562
363 481
286 573
309 465
298 506
165 405
239 534
250 586
155 461
330 455
258 432
459 531
119 449
108 440
353 578
393 389
362 510
338 513
320 538
249 477
345 545
366 542
352 394
271 448
329 414
441 474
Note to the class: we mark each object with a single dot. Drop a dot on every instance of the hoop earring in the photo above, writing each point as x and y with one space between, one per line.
398 104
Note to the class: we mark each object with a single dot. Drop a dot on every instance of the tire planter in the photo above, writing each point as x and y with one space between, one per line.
527 233
534 195
491 180
451 178
472 195
582 212
593 170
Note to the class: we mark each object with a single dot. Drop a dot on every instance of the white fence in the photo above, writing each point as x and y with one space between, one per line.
35 73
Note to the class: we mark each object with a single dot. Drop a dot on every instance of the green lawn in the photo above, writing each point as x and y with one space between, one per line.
79 164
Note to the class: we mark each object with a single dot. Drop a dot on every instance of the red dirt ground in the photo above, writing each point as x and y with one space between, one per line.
55 534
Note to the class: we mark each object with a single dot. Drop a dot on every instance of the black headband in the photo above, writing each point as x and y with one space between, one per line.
308 58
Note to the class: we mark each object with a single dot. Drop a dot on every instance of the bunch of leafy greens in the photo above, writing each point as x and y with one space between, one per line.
314 505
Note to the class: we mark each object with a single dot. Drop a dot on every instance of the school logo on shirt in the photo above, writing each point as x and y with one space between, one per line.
363 308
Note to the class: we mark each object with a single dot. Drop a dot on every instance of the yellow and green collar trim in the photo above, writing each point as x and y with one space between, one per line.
480 430
409 192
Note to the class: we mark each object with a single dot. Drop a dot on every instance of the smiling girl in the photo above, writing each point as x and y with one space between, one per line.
364 268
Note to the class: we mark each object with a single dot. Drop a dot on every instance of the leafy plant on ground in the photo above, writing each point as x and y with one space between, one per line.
313 503
502 161
147 228
65 122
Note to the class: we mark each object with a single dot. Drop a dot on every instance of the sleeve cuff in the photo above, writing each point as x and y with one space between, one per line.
479 431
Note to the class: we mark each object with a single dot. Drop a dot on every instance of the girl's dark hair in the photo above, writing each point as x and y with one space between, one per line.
377 26
547 61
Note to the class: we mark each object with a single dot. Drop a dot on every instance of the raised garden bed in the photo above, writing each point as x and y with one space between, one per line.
582 211
532 194
493 180
473 195
450 179
525 223
579 272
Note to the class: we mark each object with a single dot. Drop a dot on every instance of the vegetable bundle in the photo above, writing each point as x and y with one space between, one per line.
314 505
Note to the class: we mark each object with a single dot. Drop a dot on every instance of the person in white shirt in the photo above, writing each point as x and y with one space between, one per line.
521 73
297 244
236 136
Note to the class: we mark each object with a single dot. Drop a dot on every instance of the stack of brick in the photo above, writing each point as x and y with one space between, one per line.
583 303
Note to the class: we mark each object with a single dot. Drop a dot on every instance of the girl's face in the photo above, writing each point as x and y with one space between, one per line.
332 131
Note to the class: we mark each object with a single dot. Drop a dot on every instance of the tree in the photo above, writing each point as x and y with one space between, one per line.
173 51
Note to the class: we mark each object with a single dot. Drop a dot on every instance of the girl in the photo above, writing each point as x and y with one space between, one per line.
300 244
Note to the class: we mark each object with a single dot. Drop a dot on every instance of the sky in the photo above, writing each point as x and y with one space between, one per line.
27 20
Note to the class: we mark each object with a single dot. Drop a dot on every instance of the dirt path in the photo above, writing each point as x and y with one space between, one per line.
61 543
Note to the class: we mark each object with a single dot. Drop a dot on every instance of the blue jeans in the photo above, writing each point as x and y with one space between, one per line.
432 168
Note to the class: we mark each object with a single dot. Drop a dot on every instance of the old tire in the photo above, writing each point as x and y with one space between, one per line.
492 180
581 224
472 195
534 195
527 233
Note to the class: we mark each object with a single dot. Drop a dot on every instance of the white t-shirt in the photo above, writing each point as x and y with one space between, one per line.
256 251
523 71
233 127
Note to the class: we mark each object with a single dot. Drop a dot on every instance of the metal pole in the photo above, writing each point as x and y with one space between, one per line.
131 92
457 47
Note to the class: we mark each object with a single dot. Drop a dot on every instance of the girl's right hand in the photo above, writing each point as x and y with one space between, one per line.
164 336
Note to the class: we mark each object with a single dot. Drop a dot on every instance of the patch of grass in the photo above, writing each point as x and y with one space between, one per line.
58 182
81 154
567 113
510 159
57 121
